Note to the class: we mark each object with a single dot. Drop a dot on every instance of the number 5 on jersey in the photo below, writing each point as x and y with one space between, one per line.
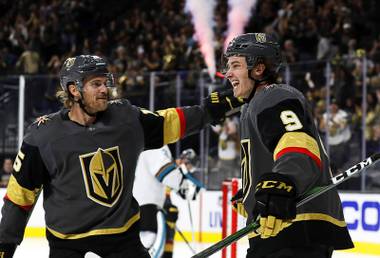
290 120
18 161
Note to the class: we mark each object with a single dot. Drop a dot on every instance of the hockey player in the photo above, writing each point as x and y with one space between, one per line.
282 158
155 170
84 157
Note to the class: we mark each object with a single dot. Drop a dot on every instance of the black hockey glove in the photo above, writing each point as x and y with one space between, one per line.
237 203
218 104
7 250
275 203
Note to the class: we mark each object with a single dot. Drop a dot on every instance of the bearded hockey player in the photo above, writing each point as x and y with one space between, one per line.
282 158
84 157
156 170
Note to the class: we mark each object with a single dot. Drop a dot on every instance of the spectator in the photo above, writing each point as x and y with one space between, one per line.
6 171
29 61
373 143
335 123
290 51
228 152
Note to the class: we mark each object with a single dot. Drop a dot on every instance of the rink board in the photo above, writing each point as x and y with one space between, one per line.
362 214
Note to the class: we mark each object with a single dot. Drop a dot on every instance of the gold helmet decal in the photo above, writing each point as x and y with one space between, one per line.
103 175
261 37
69 62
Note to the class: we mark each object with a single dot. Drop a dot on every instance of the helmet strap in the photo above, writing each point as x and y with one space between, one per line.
257 83
82 106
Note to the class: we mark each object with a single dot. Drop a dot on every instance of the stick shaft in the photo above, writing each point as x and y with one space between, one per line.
184 239
191 221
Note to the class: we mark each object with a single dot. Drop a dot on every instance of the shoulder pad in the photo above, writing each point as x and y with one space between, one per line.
274 93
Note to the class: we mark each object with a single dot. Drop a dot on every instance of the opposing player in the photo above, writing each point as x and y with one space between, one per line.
282 158
156 169
84 157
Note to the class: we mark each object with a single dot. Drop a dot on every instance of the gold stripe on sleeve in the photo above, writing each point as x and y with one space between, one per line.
20 195
297 140
172 125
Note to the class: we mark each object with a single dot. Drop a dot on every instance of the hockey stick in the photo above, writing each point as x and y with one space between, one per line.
191 222
179 232
184 239
336 180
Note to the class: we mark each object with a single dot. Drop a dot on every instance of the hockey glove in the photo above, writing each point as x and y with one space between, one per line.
7 250
237 203
189 186
184 189
275 203
218 104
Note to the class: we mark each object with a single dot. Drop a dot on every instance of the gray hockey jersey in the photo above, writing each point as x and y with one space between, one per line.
87 172
278 135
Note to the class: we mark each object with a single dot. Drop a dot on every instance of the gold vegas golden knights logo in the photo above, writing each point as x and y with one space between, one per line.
260 37
103 175
69 62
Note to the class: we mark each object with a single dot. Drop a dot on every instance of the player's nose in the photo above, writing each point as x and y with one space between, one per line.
228 74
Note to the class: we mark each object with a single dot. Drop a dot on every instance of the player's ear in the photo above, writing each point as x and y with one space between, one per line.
258 70
73 90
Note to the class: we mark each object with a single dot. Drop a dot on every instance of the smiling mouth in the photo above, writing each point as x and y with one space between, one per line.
235 84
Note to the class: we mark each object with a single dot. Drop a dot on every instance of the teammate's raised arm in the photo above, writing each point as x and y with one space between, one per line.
84 157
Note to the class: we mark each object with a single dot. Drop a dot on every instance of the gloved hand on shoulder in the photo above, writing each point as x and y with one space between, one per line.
275 203
218 104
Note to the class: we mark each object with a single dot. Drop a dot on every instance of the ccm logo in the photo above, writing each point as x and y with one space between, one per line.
274 184
366 214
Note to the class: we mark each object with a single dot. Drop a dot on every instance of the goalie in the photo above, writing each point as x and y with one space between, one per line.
156 170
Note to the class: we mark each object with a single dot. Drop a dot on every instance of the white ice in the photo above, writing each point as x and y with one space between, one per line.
38 248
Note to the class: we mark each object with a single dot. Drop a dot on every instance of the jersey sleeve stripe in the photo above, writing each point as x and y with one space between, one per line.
26 208
172 125
300 150
298 142
19 195
164 171
182 121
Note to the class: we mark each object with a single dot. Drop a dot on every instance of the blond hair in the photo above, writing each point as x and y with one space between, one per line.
65 98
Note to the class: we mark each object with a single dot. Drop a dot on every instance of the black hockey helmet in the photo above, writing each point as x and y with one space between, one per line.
76 69
255 47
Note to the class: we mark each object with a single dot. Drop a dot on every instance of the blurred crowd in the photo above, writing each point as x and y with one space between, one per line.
138 37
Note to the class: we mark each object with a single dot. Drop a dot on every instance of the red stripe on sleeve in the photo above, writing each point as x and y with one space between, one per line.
26 208
182 121
300 150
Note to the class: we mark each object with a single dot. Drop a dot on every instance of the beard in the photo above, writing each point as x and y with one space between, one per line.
95 105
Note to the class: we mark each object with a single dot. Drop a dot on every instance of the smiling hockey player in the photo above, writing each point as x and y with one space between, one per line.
282 158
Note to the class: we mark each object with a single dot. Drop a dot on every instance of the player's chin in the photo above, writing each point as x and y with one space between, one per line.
237 92
102 104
